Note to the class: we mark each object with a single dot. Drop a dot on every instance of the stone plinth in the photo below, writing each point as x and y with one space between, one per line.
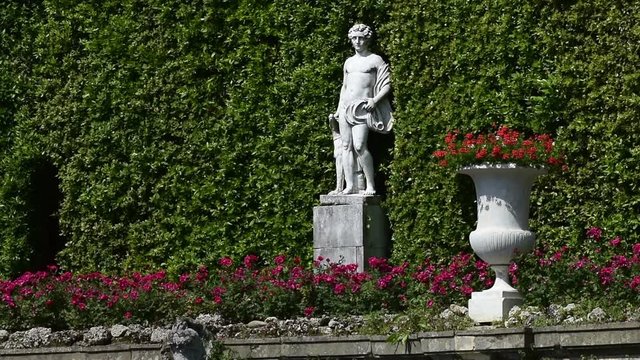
350 229
492 305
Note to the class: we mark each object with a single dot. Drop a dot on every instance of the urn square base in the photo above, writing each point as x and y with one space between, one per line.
491 306
350 229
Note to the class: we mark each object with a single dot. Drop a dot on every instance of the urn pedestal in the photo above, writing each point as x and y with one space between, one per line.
502 195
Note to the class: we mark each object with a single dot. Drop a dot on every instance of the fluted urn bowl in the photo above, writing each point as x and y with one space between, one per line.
502 194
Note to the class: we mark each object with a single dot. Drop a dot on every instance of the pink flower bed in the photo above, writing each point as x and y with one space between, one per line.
252 288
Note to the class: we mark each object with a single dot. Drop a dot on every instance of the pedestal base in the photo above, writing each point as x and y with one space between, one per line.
491 306
350 229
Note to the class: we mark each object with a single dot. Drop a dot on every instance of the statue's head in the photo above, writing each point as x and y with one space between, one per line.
360 30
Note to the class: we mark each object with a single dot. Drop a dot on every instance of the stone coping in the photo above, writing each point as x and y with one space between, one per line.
101 352
598 341
113 348
594 335
352 199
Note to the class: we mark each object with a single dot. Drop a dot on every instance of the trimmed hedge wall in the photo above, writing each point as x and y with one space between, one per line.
180 131
171 133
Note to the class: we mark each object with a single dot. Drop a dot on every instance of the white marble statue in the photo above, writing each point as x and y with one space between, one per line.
363 106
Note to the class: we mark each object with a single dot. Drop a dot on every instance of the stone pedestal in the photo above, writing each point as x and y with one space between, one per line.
350 229
492 305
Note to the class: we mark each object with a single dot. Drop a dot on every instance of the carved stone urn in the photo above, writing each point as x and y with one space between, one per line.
502 195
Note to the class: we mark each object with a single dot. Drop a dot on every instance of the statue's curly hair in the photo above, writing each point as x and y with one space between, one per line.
361 28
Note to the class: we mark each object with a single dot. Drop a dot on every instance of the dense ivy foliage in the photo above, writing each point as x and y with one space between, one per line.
17 156
171 133
179 131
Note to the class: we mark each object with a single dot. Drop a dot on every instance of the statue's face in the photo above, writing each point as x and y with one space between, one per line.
359 42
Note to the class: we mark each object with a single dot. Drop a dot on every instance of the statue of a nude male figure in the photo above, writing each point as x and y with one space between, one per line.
363 106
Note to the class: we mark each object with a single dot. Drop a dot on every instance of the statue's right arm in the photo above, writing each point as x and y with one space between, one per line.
343 88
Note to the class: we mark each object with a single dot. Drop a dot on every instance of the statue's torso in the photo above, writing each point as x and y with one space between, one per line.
360 76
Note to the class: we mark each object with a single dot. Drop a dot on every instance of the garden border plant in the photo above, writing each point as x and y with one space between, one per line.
604 270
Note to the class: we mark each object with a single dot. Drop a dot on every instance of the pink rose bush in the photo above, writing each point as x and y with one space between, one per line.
598 268
242 290
252 288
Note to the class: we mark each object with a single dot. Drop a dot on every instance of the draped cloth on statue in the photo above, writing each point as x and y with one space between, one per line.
381 118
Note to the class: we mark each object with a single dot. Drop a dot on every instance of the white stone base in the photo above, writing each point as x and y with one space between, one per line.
350 229
492 305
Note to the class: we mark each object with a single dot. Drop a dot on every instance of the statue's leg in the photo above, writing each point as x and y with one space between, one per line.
360 137
348 163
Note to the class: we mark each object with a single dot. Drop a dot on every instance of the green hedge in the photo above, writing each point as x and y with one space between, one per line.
17 156
178 132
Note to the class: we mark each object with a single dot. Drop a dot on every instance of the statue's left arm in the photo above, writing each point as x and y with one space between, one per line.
383 82
382 116
382 85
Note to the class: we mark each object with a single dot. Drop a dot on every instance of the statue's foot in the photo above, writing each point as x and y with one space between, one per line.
348 191
368 192
335 192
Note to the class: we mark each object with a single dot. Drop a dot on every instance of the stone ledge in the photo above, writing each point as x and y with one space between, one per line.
115 352
325 347
600 341
353 199
597 341
566 341
86 349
